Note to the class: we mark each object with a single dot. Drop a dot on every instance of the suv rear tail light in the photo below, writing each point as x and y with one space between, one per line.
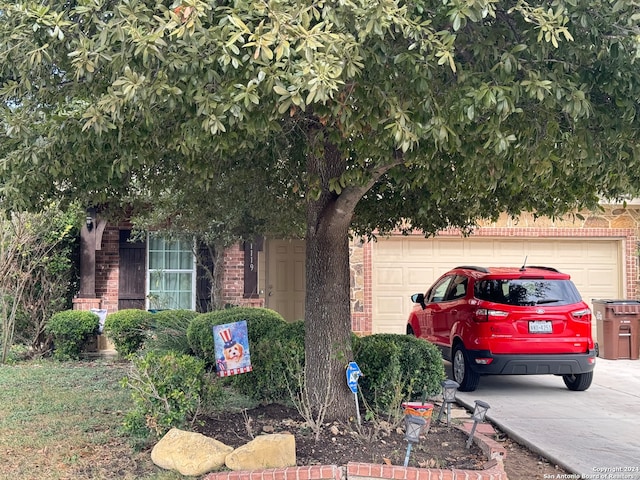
489 315
583 315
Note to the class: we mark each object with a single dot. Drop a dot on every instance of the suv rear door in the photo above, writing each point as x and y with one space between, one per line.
535 315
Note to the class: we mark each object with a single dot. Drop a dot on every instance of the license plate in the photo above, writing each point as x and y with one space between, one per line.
540 327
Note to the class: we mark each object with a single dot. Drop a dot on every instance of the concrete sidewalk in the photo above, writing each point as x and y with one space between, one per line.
595 434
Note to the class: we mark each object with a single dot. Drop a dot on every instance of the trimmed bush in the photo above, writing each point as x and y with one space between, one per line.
168 390
128 329
168 331
260 321
276 348
71 329
278 365
397 368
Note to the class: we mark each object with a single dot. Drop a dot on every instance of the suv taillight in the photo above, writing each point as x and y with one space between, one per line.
583 315
489 315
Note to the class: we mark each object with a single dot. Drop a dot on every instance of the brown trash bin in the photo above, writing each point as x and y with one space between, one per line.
618 328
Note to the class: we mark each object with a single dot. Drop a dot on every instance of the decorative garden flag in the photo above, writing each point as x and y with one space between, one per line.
232 348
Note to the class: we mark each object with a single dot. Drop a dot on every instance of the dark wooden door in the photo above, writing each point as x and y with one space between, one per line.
132 278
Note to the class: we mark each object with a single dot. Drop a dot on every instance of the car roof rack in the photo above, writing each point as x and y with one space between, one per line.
473 267
551 269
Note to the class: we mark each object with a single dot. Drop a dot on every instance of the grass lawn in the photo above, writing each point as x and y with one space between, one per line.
62 421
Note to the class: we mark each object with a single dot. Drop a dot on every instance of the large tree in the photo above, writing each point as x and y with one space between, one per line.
342 115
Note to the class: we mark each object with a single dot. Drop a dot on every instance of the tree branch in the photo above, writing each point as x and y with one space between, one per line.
351 195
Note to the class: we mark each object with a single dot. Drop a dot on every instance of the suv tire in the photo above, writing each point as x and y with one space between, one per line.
578 382
462 372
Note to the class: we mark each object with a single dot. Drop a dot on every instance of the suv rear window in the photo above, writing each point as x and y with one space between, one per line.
527 292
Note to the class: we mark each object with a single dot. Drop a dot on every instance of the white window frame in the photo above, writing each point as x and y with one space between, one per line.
150 272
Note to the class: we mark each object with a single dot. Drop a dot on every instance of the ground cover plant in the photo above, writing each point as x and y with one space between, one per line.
61 420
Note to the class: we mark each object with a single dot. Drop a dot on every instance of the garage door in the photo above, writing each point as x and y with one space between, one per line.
403 266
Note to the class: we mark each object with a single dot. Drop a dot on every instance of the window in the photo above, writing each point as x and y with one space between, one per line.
439 290
458 288
171 277
527 292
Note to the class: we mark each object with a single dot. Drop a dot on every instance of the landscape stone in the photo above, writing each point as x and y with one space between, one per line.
189 453
277 450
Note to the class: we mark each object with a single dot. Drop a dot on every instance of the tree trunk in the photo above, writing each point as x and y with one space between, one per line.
210 259
217 276
327 309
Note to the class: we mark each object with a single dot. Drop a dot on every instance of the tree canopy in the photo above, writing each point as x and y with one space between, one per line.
340 115
504 100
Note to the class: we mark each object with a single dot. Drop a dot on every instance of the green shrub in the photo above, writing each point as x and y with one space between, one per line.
260 321
276 348
168 390
397 368
278 365
128 329
168 331
17 353
70 330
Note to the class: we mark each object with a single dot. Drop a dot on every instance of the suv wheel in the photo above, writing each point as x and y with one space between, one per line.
462 373
578 382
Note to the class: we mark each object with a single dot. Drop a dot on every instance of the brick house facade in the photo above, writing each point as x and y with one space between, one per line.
612 223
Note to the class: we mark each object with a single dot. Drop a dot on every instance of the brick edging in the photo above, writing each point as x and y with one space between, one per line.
492 449
314 472
367 471
493 469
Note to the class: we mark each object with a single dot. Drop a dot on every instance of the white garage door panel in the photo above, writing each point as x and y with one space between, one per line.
445 249
603 255
481 247
511 252
416 277
569 249
391 276
403 266
418 248
600 279
389 305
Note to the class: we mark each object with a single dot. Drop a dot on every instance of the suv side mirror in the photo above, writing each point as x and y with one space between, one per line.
418 298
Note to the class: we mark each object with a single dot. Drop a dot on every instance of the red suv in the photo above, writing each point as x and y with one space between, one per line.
507 321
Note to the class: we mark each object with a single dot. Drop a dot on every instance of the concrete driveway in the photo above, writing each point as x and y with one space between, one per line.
595 434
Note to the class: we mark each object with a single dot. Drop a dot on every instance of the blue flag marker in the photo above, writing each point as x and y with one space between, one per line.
353 375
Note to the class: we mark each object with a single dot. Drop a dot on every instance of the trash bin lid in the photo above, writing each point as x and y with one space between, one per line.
618 301
620 307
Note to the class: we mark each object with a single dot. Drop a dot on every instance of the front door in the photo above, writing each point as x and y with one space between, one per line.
132 274
285 278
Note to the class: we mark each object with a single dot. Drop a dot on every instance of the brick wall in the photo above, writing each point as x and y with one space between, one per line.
108 269
361 294
233 279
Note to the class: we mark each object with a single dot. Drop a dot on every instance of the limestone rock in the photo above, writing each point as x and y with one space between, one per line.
277 450
189 453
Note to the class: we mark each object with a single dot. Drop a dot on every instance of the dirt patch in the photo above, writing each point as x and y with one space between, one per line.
338 444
